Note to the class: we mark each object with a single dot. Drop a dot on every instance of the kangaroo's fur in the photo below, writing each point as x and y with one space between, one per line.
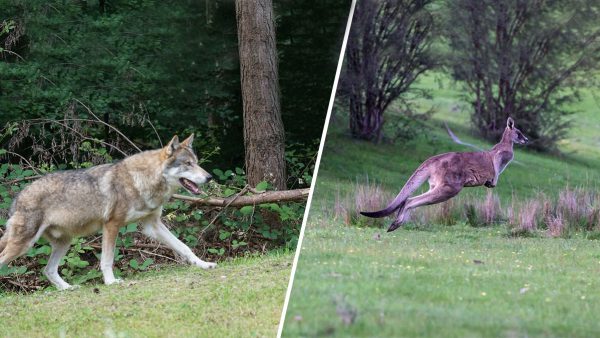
449 173
68 204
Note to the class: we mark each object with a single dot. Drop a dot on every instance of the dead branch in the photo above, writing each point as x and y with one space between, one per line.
240 201
109 125
25 160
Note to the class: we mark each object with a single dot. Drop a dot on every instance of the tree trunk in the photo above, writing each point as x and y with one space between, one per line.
264 137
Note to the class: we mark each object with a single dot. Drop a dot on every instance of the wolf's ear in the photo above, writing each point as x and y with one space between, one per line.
510 123
172 145
188 141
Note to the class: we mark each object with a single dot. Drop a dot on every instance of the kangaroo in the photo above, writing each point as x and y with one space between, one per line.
450 172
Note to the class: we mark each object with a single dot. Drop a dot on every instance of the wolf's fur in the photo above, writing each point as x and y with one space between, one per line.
75 203
449 173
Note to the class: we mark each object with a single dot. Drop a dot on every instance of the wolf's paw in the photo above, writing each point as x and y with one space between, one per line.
114 281
67 287
204 265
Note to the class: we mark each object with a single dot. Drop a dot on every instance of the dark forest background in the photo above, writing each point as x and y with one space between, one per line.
171 63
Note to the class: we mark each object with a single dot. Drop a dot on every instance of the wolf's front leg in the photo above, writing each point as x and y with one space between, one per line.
155 229
109 238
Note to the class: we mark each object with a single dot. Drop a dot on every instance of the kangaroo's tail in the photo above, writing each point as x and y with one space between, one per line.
414 182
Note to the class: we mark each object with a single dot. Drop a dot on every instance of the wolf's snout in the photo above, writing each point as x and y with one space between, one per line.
209 178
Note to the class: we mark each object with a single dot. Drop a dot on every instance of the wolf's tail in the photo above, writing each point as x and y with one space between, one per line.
3 241
414 182
4 238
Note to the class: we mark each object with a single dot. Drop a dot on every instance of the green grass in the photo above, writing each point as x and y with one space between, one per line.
241 298
423 281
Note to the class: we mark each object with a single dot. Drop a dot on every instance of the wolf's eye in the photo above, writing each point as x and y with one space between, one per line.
190 163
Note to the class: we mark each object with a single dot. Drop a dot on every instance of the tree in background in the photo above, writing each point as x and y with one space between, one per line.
264 136
388 48
172 63
519 58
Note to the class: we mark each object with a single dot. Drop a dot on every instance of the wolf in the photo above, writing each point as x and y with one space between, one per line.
74 203
448 173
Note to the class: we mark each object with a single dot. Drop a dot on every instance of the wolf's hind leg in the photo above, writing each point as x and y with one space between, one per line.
155 229
59 249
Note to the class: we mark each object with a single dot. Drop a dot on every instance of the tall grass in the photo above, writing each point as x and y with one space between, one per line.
573 209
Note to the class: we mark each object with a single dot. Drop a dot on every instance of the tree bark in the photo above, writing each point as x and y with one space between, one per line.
240 201
264 137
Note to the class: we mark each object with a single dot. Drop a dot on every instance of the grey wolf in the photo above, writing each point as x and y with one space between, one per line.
448 173
68 204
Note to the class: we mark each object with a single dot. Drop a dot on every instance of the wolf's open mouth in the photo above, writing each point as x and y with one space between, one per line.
190 186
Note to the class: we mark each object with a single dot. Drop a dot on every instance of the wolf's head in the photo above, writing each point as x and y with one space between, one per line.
513 133
181 165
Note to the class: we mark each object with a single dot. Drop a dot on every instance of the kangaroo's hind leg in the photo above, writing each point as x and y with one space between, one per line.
440 193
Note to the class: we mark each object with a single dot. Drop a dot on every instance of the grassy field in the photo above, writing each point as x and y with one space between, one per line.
241 298
450 281
444 282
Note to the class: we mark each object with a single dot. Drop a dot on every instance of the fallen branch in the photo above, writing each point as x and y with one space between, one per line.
240 201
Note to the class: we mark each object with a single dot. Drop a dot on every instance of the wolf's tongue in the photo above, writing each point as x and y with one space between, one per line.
190 186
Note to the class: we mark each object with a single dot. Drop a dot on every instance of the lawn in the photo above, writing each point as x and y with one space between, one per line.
241 298
450 281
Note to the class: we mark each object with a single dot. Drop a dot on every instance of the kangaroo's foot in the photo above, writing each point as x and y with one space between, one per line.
395 225
489 184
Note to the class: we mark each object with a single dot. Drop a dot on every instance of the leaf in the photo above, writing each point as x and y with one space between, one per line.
262 186
247 210
134 264
132 227
147 263
224 235
197 215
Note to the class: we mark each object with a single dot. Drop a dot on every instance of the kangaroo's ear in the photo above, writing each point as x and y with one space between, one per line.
171 146
188 141
510 123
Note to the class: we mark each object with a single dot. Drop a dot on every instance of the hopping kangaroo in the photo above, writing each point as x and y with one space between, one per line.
69 204
449 173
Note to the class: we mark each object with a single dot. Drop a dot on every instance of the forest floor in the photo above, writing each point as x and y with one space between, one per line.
243 297
438 280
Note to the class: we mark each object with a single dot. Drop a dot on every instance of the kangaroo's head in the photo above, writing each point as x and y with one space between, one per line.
514 134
